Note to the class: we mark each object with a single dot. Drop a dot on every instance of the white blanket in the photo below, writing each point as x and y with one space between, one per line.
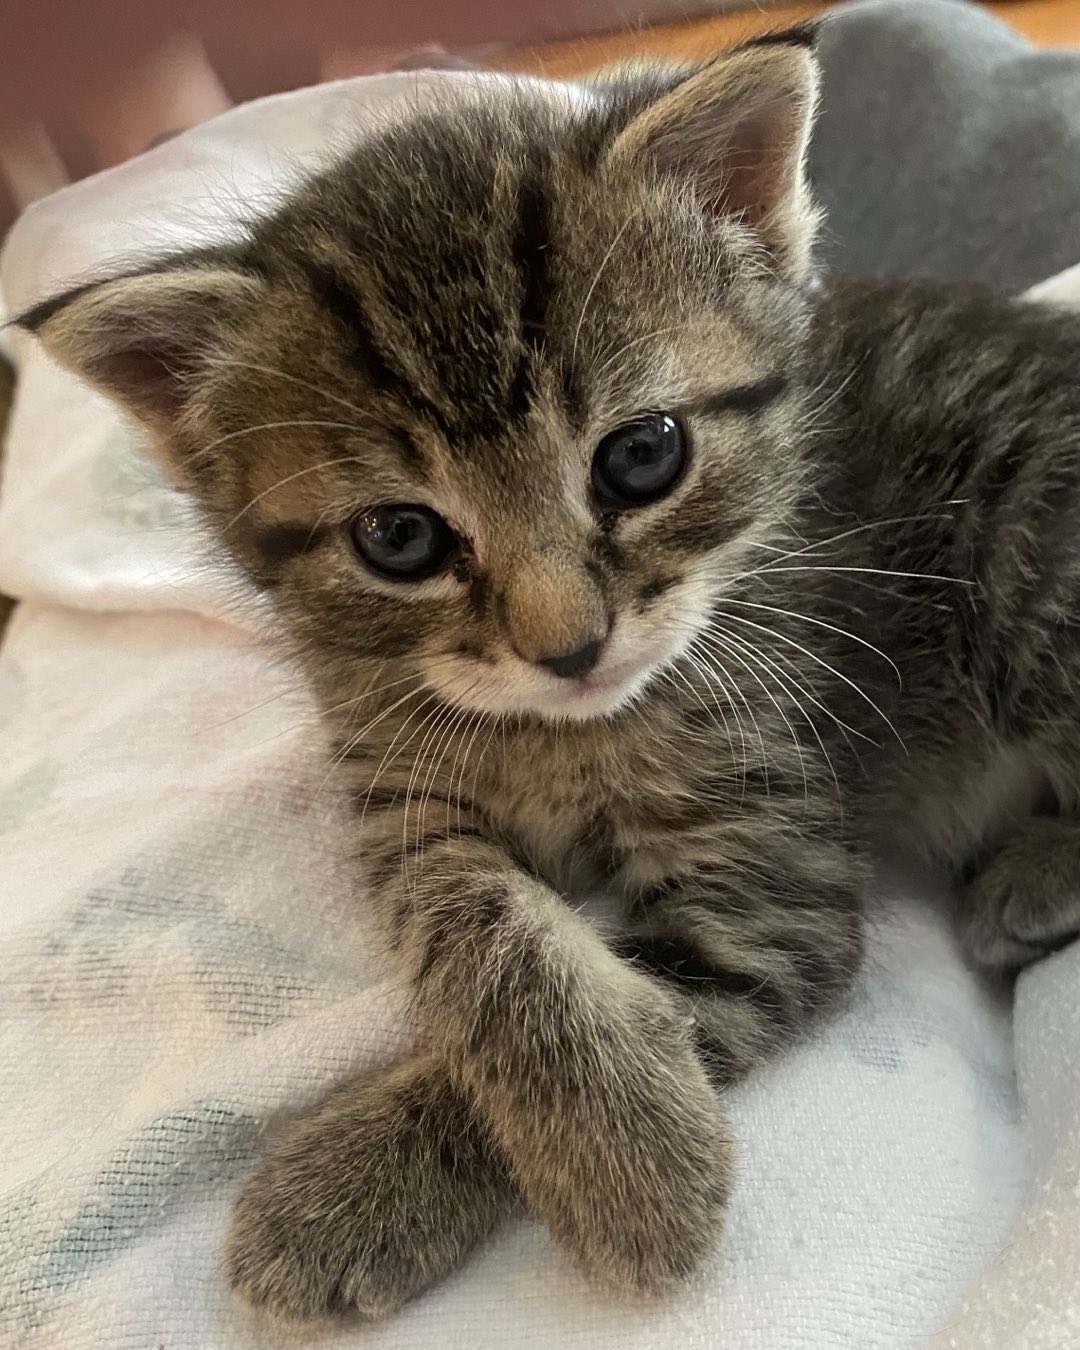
180 960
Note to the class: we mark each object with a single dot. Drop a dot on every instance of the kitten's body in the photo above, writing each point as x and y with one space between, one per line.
847 613
954 450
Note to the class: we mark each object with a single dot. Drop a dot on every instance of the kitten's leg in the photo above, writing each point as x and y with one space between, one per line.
362 1205
761 938
581 1068
1025 902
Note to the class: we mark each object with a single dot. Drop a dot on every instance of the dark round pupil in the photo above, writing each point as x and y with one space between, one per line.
403 540
406 535
640 461
637 461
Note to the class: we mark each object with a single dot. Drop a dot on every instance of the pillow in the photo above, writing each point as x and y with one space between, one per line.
947 146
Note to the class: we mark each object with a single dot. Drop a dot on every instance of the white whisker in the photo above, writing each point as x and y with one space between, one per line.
785 682
704 665
795 674
595 281
868 525
295 379
311 468
769 570
606 365
389 756
783 637
819 623
355 740
482 722
437 719
273 426
706 642
447 742
495 725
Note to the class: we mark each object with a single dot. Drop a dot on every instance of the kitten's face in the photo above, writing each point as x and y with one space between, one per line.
499 411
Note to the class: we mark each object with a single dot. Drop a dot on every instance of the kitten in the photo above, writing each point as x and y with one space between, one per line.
618 556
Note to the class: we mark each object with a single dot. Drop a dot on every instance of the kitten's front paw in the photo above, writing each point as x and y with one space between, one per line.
361 1207
630 1166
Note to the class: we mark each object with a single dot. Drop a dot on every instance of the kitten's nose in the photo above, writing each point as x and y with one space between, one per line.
573 663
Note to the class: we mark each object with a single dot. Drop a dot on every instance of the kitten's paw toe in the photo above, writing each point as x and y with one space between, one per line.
635 1176
1024 904
657 1219
365 1204
302 1264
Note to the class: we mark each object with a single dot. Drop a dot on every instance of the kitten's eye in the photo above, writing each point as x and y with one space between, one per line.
406 542
639 462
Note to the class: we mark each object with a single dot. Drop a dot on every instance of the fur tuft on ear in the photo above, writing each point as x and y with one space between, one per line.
137 338
736 131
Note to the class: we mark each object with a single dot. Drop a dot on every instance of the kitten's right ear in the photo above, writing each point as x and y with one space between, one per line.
139 338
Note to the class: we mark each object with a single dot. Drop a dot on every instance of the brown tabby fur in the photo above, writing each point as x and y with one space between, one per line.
851 617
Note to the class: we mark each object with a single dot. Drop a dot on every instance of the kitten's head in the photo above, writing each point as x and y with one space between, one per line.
503 397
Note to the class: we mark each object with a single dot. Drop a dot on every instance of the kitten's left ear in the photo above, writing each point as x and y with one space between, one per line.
736 130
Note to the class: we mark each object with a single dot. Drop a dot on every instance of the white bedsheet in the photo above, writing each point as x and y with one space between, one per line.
180 960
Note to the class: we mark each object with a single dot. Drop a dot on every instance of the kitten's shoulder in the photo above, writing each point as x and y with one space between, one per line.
958 312
935 342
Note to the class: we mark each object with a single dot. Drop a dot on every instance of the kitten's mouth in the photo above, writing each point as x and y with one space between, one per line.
600 691
601 681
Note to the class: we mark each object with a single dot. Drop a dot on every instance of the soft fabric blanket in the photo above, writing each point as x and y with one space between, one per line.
181 965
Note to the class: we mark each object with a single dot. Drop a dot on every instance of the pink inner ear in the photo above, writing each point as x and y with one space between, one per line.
756 167
149 379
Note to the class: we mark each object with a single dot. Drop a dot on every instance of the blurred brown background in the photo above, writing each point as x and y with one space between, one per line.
88 85
1050 23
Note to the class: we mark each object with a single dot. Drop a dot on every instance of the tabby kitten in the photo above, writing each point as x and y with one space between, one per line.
618 557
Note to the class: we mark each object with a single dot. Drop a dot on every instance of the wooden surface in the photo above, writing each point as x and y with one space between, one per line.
1054 23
